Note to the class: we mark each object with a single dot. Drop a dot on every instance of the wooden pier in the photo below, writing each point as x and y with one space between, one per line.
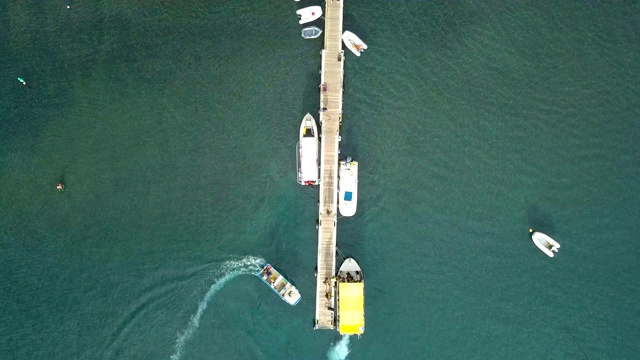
330 118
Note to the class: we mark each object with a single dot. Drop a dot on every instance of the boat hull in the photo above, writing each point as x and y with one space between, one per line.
307 152
354 43
311 32
348 188
349 265
281 286
350 298
309 14
545 243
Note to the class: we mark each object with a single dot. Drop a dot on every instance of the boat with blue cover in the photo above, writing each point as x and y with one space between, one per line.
348 187
311 32
281 286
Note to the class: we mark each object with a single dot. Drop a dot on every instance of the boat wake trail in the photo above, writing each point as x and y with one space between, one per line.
229 270
340 350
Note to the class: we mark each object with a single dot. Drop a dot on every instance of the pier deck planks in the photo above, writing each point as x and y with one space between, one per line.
331 99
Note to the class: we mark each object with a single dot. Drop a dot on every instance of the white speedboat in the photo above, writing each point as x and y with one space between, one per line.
544 242
350 298
279 284
348 187
311 32
307 152
353 43
309 14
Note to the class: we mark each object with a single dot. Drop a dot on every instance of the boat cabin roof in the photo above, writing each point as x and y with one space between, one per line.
351 308
309 158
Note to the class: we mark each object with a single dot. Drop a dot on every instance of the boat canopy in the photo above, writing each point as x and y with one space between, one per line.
351 308
308 157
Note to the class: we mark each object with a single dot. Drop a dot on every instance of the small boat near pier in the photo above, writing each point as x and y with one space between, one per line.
348 187
353 43
279 284
350 298
309 14
311 32
307 151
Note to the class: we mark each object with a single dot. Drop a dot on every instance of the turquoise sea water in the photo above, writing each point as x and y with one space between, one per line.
174 125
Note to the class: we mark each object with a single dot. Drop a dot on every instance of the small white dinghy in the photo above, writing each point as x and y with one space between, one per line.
353 43
544 242
311 32
309 14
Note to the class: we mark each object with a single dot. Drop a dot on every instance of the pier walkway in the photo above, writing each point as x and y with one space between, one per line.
330 118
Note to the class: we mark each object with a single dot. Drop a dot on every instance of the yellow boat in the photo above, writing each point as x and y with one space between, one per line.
350 298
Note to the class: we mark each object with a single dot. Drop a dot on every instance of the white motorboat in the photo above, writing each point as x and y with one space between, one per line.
309 14
281 286
544 242
348 187
350 298
311 32
353 43
307 152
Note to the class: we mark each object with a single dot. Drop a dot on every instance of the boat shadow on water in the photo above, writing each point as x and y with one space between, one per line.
538 219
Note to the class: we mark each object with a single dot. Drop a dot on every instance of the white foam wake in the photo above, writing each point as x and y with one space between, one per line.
228 271
340 350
